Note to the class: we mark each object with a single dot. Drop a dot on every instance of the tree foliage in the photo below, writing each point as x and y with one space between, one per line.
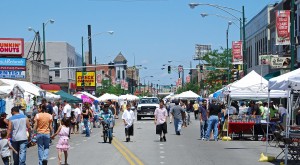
107 87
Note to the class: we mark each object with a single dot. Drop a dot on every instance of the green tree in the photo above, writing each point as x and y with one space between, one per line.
213 79
107 87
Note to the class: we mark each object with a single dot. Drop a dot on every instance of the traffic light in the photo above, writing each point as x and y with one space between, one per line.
50 79
201 68
169 69
235 75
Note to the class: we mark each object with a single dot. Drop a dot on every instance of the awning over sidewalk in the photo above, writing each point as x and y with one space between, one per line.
50 87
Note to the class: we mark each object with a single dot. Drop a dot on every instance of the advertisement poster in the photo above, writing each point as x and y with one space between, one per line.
201 50
13 68
11 47
265 59
237 52
282 27
89 80
280 62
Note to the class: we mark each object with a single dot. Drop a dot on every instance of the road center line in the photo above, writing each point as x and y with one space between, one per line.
123 153
137 160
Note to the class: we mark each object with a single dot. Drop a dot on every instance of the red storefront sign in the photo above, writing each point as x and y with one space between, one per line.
237 52
11 47
282 27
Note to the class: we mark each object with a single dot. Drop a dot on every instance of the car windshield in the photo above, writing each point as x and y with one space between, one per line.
149 101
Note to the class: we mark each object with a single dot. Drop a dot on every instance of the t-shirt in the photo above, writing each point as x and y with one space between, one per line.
67 110
49 109
176 111
203 113
77 112
196 107
161 115
281 110
106 115
4 148
19 127
214 109
43 122
55 111
128 117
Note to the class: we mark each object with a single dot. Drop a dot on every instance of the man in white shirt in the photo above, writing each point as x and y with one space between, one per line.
67 110
128 119
77 113
55 116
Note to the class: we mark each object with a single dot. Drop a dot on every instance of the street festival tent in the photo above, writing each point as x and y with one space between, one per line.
69 98
190 95
108 96
52 97
128 97
252 86
286 82
8 89
29 88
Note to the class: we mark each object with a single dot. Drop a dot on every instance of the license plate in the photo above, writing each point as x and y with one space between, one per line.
149 113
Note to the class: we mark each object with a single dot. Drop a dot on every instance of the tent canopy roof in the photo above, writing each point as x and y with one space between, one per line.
283 82
69 98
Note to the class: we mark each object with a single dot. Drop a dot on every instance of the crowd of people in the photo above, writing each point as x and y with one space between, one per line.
49 119
213 115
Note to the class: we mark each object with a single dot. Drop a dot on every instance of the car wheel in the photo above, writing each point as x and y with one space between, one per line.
138 118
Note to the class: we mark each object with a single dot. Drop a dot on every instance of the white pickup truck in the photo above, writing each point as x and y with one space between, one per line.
146 107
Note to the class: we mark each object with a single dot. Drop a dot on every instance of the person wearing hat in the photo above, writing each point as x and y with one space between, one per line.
106 116
3 121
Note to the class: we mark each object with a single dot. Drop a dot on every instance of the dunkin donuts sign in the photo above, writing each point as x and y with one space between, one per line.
11 47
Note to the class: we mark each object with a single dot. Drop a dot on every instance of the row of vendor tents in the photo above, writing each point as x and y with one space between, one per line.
13 88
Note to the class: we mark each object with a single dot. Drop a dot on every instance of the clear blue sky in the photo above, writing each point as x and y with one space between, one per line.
152 31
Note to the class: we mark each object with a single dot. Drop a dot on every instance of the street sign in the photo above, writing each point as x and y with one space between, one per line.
210 68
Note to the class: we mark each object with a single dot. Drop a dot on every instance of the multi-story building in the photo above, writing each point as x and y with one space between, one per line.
59 55
132 74
120 63
258 39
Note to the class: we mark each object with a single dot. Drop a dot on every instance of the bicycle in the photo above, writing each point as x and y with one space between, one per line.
107 131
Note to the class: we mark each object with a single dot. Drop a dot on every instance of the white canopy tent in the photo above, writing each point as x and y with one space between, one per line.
187 95
128 97
51 96
6 89
286 82
107 96
28 87
253 86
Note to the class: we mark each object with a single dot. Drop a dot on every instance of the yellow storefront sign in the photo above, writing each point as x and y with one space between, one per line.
89 79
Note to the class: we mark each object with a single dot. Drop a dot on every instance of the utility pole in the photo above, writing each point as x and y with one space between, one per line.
90 44
292 31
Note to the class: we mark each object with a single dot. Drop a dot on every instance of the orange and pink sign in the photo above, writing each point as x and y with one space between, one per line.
11 47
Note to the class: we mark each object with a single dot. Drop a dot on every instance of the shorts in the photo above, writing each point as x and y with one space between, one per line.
161 128
129 131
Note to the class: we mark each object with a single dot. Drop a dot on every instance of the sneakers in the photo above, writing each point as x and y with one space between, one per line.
161 139
127 139
203 138
164 137
44 162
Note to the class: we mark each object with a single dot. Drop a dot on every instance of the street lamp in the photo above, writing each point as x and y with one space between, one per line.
227 53
82 52
225 9
226 18
44 39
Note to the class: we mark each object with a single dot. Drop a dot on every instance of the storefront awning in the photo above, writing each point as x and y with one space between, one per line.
271 75
50 87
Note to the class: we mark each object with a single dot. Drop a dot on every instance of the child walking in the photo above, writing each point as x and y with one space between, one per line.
63 142
4 148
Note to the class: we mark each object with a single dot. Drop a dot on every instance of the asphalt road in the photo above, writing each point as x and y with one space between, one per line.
146 149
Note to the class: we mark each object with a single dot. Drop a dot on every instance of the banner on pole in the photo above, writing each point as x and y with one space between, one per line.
282 27
237 52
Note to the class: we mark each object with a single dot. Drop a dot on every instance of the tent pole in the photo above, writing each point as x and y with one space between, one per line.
228 101
268 115
286 126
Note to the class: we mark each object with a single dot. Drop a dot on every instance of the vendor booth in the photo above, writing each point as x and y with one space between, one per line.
289 82
188 95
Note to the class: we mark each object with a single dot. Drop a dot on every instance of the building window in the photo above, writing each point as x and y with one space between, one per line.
118 74
57 72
